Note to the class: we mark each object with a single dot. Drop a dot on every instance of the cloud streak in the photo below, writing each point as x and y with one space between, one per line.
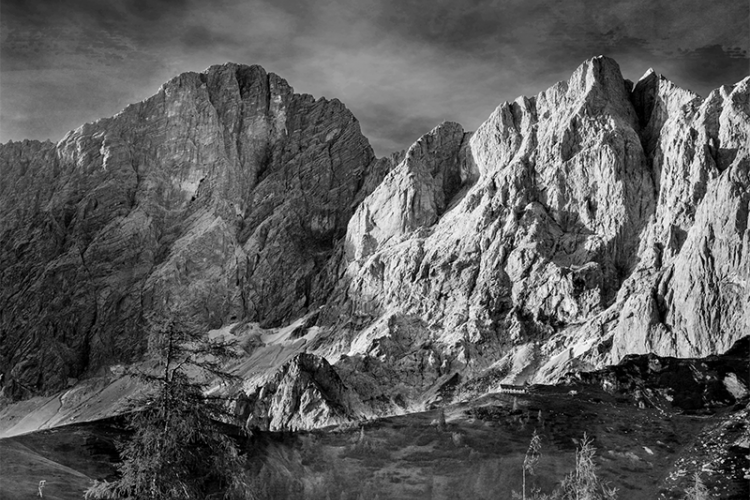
401 66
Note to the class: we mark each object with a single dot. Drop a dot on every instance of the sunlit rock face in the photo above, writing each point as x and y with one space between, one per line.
690 294
594 220
598 219
304 393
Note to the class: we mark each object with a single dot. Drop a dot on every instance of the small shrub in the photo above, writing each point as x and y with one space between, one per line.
458 439
533 454
583 483
580 484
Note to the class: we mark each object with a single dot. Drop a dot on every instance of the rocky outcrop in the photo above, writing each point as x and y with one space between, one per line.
223 196
686 384
689 295
414 195
303 394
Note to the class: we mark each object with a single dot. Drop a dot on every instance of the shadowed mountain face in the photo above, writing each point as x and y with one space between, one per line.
594 220
224 196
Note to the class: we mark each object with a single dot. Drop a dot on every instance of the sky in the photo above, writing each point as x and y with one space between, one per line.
401 66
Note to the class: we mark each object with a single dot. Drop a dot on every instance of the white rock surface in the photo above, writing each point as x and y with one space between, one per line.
605 220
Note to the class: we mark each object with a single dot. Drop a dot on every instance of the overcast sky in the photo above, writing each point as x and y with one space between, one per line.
401 66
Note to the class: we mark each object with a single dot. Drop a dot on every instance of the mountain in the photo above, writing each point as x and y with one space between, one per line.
593 221
222 196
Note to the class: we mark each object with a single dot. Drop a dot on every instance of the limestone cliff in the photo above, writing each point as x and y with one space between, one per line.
605 219
598 219
223 196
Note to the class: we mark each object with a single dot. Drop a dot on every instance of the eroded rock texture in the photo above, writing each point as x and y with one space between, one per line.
305 393
595 220
224 196
602 219
667 383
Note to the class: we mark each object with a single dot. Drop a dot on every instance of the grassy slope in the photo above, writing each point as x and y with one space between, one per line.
644 452
481 452
67 458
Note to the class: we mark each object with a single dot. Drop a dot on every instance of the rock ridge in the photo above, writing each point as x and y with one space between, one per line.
223 195
562 254
600 218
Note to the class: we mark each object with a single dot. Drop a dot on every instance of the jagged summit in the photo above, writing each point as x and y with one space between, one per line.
594 220
173 204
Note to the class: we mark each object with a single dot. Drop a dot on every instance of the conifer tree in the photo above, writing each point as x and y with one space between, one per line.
178 449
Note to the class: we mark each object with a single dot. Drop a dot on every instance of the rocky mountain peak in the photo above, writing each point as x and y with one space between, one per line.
569 233
594 220
222 196
431 173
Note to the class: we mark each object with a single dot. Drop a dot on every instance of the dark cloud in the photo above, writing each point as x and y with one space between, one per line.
155 10
197 36
394 130
471 27
402 66
100 12
705 68
48 108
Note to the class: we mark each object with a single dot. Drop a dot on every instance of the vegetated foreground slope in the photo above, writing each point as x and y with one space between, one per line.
477 453
595 220
480 452
66 459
